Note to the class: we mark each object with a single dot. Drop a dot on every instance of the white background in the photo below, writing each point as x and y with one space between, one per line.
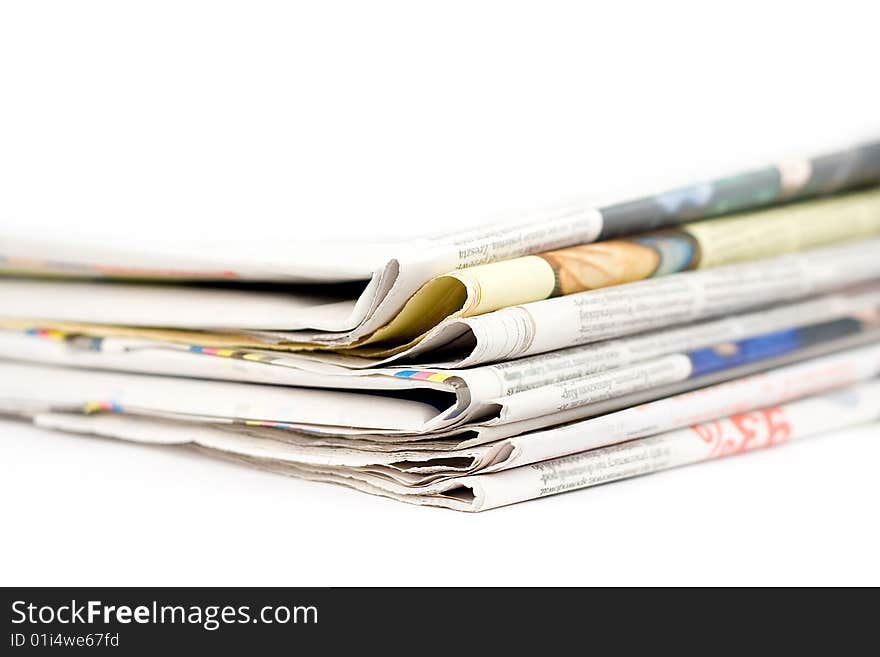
149 121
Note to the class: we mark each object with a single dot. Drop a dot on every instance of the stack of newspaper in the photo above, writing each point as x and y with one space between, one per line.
553 352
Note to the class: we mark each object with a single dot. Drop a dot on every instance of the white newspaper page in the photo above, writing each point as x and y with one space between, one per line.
417 469
510 392
383 277
738 433
627 309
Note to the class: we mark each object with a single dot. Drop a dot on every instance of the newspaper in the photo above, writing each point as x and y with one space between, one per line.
759 409
412 415
475 388
608 313
557 323
739 433
338 294
699 245
423 401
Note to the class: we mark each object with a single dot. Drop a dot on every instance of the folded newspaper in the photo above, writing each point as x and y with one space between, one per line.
417 402
717 420
565 349
326 313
